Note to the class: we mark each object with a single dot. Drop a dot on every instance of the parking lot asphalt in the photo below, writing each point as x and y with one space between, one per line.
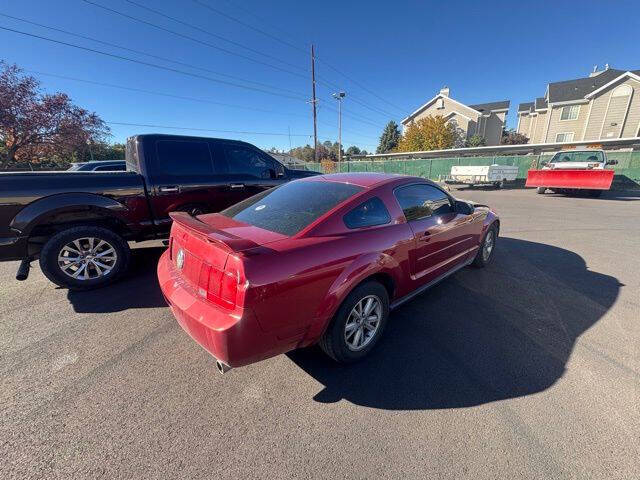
529 368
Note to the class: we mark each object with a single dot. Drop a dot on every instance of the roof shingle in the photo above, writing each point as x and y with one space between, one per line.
487 107
580 87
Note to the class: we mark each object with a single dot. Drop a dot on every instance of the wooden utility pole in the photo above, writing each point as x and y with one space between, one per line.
313 103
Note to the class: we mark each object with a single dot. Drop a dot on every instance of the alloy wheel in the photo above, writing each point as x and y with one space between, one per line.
87 258
363 322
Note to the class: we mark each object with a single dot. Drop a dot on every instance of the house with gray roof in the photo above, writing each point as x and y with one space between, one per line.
604 105
484 119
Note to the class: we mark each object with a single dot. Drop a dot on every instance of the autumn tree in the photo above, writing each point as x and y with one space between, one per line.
428 133
389 138
476 141
511 137
36 126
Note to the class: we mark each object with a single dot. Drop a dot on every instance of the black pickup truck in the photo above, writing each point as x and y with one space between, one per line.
78 223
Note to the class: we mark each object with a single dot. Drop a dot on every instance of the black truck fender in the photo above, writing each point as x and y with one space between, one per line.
64 207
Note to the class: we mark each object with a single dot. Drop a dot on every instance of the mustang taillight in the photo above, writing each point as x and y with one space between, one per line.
220 287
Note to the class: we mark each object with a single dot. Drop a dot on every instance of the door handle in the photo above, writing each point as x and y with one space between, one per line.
169 189
236 186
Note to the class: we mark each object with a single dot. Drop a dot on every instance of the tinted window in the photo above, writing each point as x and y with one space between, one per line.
246 161
367 214
291 207
110 168
420 201
184 158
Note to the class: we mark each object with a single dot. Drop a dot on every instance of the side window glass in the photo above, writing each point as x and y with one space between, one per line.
178 158
421 201
246 161
367 214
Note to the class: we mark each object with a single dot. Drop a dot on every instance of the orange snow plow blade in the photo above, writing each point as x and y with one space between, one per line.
587 179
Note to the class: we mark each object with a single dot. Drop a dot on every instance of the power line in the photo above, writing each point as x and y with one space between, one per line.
139 52
163 94
215 35
193 39
243 132
149 64
274 37
362 86
278 39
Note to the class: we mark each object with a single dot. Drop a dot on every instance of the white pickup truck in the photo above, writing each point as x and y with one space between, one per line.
496 175
570 171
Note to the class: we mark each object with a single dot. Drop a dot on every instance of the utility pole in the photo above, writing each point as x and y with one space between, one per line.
339 96
313 103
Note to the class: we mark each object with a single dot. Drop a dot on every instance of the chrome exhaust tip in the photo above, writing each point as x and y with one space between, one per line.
222 367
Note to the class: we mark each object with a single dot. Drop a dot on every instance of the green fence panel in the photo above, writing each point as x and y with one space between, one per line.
627 170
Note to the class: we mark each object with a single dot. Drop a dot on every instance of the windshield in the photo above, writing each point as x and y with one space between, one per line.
591 157
291 207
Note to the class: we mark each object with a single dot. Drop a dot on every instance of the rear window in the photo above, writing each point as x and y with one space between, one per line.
291 207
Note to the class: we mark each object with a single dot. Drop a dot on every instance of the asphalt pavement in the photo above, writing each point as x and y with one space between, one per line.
528 369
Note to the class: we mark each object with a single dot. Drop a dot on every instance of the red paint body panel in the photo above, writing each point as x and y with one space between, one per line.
561 178
290 287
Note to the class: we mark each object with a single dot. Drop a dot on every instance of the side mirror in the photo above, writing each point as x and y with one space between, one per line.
463 208
612 162
544 163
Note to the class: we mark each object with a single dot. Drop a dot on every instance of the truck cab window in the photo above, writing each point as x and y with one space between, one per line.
246 161
184 158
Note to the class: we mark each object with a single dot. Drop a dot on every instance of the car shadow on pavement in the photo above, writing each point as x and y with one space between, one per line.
502 332
138 288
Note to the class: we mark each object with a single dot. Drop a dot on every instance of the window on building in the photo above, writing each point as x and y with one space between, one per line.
564 137
440 103
570 112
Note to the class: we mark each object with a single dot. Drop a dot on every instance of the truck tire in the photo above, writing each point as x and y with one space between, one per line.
541 190
86 257
351 336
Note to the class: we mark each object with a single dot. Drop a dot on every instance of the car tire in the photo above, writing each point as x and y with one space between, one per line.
541 190
339 341
487 247
99 255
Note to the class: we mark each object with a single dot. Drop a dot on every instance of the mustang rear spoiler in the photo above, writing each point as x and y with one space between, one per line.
214 235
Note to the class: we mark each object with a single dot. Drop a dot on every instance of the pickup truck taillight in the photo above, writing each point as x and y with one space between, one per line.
220 286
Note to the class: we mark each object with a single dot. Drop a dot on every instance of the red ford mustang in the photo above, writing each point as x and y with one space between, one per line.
317 260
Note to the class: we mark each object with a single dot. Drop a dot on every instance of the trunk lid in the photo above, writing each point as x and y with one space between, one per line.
207 253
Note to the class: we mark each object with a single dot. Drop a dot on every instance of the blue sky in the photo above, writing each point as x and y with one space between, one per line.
389 57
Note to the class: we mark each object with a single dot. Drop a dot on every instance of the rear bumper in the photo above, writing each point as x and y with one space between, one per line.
13 248
231 336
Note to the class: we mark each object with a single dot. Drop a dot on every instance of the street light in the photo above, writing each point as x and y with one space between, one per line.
339 96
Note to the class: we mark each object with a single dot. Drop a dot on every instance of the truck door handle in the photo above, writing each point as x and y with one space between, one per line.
236 186
169 189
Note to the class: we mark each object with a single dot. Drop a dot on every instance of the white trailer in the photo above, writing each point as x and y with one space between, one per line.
496 175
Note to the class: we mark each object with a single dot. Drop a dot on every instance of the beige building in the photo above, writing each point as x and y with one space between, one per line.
485 119
604 105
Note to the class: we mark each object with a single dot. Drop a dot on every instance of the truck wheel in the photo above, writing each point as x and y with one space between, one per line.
488 245
358 324
82 258
541 190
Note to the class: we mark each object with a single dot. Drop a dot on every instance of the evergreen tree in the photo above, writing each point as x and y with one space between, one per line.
389 138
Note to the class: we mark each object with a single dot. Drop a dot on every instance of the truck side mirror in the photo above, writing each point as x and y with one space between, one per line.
612 162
